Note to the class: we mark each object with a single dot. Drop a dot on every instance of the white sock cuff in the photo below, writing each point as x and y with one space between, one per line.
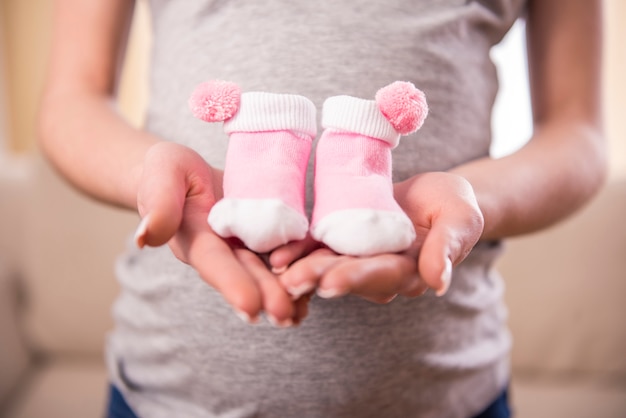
360 116
261 111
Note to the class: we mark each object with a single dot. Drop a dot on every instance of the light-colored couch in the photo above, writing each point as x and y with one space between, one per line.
566 289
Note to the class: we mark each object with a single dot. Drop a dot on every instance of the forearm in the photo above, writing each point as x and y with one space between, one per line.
560 169
80 130
87 140
564 163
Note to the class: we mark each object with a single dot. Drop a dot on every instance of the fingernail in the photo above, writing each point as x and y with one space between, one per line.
446 277
279 270
140 233
329 293
416 283
279 324
245 317
300 290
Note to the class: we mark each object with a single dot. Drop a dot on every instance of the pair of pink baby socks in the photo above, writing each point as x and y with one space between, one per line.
270 139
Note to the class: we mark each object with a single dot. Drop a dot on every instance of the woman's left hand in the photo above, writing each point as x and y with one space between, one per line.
448 223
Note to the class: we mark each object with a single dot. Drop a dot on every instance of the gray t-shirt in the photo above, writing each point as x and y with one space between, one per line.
178 350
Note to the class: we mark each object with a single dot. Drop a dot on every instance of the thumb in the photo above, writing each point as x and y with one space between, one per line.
160 199
449 241
435 260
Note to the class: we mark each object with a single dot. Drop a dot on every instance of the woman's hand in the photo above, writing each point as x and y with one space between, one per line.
448 223
447 220
176 192
378 278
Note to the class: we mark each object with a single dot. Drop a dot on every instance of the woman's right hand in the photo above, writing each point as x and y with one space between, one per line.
176 192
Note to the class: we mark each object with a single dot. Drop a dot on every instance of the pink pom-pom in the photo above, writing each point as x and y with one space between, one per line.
403 105
215 101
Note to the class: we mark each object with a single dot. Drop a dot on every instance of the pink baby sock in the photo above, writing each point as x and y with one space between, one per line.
355 212
270 139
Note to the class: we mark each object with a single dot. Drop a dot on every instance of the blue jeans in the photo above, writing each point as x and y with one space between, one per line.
499 408
118 408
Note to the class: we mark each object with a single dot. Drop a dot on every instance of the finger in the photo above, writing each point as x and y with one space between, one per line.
277 304
304 275
302 308
162 192
450 239
378 278
435 265
414 287
160 201
216 264
286 254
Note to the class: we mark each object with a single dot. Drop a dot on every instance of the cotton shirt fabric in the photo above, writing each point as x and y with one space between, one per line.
178 350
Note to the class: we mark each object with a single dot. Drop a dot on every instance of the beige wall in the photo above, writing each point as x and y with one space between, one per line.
133 86
25 29
615 84
26 24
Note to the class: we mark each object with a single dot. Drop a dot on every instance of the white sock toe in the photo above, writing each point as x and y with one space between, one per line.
262 224
365 232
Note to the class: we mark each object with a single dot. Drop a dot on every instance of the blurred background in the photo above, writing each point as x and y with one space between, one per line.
566 287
